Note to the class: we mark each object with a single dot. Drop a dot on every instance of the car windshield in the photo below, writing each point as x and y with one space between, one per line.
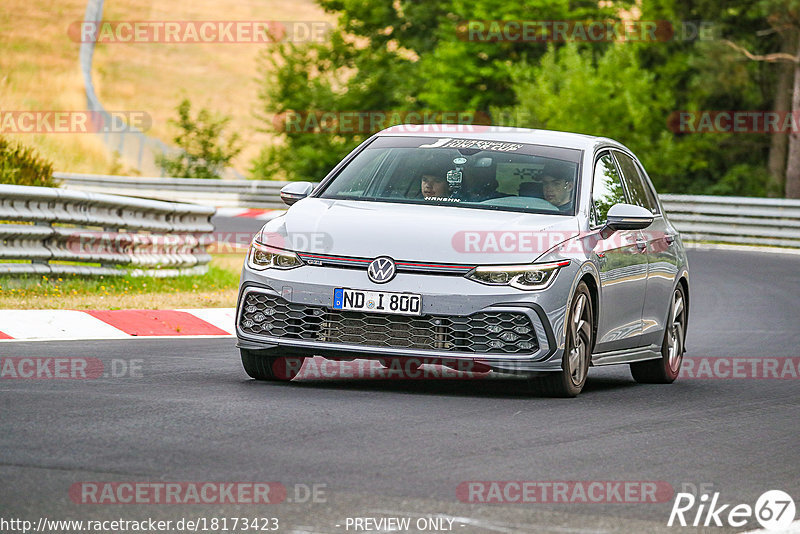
470 173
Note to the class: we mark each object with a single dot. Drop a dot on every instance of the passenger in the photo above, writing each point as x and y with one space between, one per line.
557 190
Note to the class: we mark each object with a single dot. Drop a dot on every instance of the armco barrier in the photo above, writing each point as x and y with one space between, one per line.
738 220
49 230
220 193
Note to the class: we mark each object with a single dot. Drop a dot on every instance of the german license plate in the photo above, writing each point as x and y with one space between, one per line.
377 302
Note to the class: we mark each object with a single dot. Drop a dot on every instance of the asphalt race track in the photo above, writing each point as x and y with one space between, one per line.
401 448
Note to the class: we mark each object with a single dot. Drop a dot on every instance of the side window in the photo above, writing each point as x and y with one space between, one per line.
648 188
357 176
606 189
638 191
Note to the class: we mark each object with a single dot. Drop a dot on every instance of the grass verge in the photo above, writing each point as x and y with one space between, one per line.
216 289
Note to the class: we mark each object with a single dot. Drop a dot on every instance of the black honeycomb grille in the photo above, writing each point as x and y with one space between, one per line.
483 332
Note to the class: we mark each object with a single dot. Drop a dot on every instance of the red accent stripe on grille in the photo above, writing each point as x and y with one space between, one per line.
434 265
340 258
405 263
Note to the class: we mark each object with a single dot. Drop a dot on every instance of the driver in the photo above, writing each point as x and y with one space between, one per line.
434 185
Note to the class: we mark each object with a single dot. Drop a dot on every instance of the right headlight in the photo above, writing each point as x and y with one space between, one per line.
262 257
529 277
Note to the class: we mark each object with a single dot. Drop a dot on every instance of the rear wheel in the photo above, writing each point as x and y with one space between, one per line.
665 370
271 368
577 350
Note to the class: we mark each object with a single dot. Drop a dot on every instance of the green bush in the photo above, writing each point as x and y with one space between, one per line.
203 152
21 165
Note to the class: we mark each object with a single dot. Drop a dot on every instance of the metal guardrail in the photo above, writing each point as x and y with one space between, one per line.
737 220
49 230
221 193
128 141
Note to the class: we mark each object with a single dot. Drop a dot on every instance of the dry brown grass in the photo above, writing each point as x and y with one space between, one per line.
39 70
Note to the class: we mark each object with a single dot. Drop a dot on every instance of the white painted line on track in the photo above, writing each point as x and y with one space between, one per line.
55 324
222 318
124 338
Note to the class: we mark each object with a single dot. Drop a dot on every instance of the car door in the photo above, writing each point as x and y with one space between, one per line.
661 251
622 261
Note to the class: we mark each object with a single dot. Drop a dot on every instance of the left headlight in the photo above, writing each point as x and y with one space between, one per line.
262 257
528 277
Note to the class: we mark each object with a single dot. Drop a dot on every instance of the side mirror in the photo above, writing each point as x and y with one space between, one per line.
628 217
291 193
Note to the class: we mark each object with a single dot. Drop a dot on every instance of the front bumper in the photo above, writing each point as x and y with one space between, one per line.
311 287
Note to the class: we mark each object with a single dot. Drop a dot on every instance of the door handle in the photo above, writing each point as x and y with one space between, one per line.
669 238
641 244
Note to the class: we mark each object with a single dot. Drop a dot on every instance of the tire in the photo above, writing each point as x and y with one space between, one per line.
271 368
579 327
665 370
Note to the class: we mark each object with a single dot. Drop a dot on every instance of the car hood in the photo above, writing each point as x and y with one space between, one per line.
439 234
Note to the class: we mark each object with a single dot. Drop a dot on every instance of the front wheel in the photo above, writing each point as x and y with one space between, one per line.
271 368
579 327
665 370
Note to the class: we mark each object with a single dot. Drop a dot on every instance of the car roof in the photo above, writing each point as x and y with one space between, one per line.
501 133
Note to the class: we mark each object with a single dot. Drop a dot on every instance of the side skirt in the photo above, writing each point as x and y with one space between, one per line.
637 354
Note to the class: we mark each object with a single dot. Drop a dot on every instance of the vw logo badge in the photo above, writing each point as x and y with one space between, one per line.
381 270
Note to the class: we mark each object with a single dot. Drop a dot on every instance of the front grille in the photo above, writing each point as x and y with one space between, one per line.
482 332
347 262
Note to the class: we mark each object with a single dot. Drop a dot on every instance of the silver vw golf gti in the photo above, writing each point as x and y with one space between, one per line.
520 251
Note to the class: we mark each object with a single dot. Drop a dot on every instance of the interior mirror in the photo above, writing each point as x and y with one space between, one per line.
628 217
291 193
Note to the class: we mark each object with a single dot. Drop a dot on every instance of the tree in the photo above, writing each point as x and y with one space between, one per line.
784 19
407 55
203 153
607 94
323 77
387 56
21 165
707 74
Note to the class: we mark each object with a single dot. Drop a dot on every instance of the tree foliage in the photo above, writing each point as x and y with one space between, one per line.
408 55
203 153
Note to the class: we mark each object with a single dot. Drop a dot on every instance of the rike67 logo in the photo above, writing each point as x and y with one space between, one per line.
774 510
